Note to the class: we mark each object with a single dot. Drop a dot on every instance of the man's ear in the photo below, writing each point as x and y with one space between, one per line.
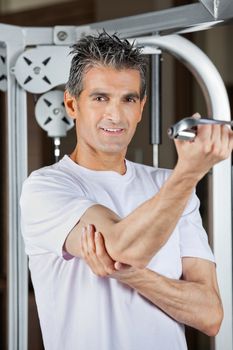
70 105
142 104
143 101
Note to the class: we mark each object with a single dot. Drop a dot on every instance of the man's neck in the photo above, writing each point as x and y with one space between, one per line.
100 161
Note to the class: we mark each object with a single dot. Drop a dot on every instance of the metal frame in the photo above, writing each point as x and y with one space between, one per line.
17 171
188 18
13 40
219 8
181 19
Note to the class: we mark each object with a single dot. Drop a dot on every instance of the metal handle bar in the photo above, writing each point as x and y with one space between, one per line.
186 129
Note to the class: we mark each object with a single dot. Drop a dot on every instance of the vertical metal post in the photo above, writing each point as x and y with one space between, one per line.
15 39
222 245
155 121
17 171
22 172
156 99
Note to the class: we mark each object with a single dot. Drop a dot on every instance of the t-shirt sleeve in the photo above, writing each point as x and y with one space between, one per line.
50 208
193 237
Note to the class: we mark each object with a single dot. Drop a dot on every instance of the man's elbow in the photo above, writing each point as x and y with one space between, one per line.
139 263
213 326
132 260
128 255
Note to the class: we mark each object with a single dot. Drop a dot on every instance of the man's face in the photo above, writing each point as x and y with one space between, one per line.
108 109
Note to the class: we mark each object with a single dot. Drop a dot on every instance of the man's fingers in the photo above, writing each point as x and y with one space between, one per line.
230 145
90 239
96 255
221 138
120 266
216 140
225 138
88 250
216 133
84 242
102 254
94 252
196 115
204 134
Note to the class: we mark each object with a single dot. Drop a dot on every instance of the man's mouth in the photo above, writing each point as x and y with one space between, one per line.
114 131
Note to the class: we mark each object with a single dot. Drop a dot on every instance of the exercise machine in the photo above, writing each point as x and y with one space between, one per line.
36 60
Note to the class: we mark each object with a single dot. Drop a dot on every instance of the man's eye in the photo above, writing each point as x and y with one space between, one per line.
131 99
100 98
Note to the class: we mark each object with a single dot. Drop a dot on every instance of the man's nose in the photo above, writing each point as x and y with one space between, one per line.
113 112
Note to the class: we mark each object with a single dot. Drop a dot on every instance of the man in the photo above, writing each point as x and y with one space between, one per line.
118 256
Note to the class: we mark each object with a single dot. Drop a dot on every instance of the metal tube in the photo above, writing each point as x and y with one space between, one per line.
17 171
22 262
188 17
155 99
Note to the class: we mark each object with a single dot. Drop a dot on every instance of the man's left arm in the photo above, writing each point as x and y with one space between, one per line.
193 301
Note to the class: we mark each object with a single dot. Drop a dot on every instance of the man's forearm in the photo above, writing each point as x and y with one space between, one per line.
190 303
142 233
194 301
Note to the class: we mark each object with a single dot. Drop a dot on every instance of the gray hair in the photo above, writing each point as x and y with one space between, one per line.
106 50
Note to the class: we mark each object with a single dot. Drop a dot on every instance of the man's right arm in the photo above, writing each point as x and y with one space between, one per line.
136 238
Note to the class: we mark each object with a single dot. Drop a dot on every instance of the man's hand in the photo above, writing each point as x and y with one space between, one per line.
95 254
213 144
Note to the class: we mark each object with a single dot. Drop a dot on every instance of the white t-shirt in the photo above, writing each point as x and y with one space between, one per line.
77 309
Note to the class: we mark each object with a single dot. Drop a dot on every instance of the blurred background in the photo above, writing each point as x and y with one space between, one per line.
181 97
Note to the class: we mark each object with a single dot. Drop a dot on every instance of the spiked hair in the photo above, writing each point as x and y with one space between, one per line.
104 50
